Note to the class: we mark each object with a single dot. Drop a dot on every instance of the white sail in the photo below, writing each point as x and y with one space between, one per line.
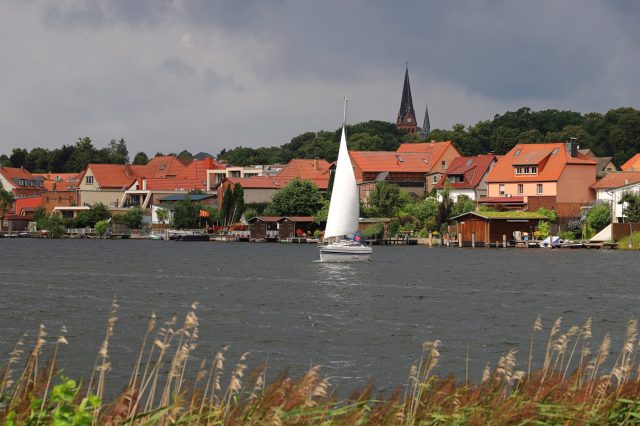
344 210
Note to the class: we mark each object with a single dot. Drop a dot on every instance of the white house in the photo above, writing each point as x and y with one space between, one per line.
613 186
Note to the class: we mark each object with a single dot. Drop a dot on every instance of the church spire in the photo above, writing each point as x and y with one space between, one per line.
406 116
426 125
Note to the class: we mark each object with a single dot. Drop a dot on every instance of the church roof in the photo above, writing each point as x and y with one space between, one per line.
406 104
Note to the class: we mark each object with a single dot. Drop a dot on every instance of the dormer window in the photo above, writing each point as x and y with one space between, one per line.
526 170
515 154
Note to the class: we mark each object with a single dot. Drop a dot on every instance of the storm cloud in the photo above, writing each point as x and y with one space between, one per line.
206 75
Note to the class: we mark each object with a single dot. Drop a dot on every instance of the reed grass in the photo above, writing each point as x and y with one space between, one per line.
574 385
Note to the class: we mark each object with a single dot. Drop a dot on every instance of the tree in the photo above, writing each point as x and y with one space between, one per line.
118 152
6 200
238 202
297 198
462 205
162 215
133 218
185 155
385 198
599 217
185 214
55 225
631 206
102 227
140 159
227 205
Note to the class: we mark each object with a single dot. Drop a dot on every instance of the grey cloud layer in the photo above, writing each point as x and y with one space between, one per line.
205 75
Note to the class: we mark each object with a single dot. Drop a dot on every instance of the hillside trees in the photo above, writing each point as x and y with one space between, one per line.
297 198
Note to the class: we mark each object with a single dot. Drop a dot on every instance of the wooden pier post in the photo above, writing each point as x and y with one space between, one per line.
473 240
430 239
504 241
497 244
459 240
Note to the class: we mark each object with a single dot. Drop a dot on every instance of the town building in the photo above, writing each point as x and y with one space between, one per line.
20 182
406 115
613 186
261 189
632 165
467 176
555 176
604 165
439 155
61 189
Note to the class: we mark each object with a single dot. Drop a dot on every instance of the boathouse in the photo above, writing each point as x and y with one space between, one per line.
489 227
274 228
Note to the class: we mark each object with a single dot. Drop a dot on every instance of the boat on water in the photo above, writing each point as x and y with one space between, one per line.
341 242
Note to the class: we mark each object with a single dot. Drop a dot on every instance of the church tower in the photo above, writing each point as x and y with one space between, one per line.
407 116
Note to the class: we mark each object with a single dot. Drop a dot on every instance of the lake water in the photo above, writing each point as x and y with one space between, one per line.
359 321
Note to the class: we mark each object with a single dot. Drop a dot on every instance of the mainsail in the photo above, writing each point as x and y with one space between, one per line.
344 210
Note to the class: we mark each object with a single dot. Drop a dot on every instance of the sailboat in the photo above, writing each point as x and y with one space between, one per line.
342 243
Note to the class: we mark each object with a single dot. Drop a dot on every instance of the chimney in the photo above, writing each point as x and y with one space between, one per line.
315 164
208 163
572 147
144 183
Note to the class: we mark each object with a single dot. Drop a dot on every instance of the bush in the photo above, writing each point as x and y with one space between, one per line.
623 244
543 229
394 227
599 217
549 214
567 235
102 227
374 231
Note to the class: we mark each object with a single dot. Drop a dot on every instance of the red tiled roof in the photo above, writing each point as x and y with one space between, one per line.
273 182
60 181
472 168
11 173
502 200
176 184
27 203
632 164
305 169
161 167
617 180
387 161
550 165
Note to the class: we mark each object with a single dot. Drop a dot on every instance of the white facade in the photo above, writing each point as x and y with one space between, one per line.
613 196
454 193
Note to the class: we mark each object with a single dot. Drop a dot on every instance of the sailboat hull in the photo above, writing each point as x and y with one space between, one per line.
345 252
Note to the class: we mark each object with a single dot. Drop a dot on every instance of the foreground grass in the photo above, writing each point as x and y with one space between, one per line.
572 387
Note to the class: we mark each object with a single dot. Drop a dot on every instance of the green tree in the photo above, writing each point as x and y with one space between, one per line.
140 159
185 214
238 202
6 200
631 206
599 217
462 205
118 152
133 218
102 227
98 212
185 155
385 198
162 215
227 205
297 198
18 157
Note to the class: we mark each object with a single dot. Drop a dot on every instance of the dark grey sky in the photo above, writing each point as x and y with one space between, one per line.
205 75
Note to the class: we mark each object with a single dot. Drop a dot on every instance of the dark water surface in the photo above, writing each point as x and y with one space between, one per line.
359 321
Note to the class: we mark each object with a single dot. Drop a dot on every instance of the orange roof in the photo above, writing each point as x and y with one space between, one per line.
60 181
305 169
176 184
551 159
26 203
617 180
14 173
161 167
387 161
273 182
472 168
632 164
437 149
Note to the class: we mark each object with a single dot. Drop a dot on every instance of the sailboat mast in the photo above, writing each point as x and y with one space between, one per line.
344 119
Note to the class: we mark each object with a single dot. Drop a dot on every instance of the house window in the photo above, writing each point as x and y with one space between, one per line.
515 154
88 180
539 189
534 170
444 165
520 188
435 178
501 187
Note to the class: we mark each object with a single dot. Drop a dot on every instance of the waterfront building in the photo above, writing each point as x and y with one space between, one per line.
633 164
467 176
613 186
555 176
20 182
261 189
